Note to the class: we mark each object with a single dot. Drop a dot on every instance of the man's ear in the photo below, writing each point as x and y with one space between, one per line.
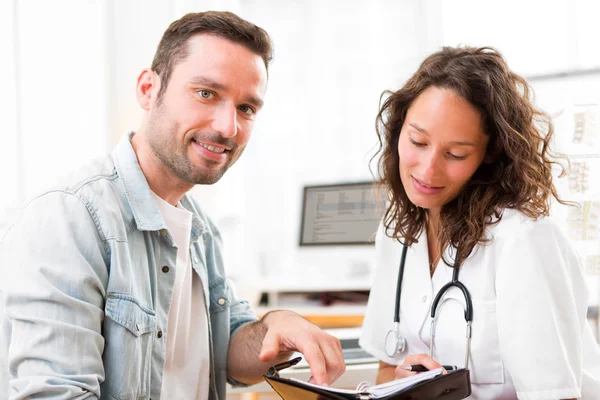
148 84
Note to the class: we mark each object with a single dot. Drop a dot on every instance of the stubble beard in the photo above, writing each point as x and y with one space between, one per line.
161 140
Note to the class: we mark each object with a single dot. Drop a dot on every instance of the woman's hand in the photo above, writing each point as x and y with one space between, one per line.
414 359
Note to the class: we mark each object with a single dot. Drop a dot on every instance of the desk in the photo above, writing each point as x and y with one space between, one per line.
297 294
331 317
349 380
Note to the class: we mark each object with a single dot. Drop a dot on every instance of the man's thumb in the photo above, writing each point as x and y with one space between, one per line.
270 347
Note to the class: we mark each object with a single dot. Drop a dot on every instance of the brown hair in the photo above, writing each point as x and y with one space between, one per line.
520 174
173 45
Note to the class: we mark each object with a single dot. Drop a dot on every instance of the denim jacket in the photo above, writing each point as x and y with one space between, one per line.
86 276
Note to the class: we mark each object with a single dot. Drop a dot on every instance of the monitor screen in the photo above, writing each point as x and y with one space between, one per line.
341 214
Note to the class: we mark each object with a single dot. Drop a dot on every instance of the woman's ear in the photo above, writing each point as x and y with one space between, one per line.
494 152
489 158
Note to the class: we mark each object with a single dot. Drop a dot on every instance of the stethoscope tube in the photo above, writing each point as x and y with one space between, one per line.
400 342
468 313
399 285
458 284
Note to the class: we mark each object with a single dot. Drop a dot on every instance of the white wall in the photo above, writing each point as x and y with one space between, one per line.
54 66
62 88
9 156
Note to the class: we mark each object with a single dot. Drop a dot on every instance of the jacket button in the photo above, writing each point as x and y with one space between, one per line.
221 301
137 326
165 269
163 232
159 334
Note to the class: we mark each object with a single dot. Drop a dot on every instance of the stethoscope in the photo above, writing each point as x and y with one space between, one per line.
396 344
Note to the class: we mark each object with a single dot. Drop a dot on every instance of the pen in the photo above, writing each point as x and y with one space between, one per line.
420 368
274 370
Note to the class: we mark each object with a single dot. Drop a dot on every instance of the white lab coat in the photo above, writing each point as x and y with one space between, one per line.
530 336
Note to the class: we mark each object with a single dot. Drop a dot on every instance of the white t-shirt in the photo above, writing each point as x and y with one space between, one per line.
530 336
186 370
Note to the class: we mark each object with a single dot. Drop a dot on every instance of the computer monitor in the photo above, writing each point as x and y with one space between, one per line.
341 214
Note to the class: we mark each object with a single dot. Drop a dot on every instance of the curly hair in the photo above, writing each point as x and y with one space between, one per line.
520 174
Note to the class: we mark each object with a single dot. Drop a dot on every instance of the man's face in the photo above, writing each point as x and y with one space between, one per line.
204 119
441 145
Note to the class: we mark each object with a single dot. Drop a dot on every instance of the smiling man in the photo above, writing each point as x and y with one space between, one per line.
113 283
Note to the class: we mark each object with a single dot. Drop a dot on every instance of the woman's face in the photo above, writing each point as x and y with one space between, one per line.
441 145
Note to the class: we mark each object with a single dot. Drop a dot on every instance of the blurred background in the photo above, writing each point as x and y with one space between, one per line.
69 69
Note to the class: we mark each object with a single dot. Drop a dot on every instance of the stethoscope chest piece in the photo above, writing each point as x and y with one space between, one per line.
395 343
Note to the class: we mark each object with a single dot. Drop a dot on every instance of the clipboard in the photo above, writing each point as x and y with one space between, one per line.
455 385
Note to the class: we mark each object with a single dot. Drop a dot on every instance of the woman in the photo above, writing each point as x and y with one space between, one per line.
466 161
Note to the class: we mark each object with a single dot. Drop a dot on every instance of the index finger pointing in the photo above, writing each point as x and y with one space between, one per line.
316 362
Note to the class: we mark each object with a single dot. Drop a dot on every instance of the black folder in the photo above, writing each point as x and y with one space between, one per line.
454 385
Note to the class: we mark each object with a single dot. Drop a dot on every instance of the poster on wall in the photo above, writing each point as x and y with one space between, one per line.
577 136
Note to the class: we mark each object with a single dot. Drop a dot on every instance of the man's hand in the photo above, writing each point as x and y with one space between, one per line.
287 331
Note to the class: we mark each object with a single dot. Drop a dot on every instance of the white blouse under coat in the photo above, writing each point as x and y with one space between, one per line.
530 336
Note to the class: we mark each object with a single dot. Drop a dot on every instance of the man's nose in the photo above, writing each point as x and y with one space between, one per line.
225 120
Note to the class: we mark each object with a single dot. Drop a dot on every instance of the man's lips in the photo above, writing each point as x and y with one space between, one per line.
216 148
211 151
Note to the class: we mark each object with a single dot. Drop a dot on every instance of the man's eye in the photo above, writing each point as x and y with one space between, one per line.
205 94
247 110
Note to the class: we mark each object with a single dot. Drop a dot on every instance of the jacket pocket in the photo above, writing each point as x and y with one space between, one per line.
486 361
128 332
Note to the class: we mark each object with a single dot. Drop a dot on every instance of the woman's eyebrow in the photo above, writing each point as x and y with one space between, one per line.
453 143
418 128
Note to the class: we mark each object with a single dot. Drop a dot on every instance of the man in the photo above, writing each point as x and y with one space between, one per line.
113 284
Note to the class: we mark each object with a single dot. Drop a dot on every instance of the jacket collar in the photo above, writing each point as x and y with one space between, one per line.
139 195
